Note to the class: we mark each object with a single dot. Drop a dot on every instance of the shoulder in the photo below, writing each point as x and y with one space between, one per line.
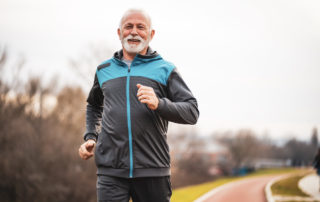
169 65
104 64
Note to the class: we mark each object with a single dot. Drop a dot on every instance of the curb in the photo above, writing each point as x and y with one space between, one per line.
306 191
267 189
229 184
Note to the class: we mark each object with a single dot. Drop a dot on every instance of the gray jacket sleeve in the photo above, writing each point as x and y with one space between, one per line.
94 111
180 106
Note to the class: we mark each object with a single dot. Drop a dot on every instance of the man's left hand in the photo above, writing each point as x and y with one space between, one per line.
147 95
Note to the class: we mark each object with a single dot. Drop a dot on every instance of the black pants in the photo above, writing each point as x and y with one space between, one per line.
147 189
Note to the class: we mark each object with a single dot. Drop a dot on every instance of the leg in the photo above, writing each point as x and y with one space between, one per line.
112 189
155 189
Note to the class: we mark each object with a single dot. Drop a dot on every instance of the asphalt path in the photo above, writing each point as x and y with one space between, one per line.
247 190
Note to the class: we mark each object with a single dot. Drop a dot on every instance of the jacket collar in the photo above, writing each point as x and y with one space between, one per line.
149 55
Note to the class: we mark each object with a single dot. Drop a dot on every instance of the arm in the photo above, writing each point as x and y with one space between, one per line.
180 106
94 111
93 120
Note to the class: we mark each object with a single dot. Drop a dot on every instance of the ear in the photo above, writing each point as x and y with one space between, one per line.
119 33
152 34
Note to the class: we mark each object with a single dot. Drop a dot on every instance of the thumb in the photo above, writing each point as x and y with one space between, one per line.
139 85
89 145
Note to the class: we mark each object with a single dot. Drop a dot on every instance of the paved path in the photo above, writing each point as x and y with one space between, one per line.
247 190
310 185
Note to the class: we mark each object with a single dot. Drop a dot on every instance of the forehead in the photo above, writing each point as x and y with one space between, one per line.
135 18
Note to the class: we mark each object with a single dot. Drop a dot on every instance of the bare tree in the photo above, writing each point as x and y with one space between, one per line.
40 161
243 146
190 161
85 65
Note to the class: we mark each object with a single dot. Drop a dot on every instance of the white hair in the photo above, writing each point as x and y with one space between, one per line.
130 11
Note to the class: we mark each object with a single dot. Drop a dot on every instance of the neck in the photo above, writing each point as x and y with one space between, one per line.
130 56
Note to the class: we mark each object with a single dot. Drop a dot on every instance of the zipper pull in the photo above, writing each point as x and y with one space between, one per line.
128 68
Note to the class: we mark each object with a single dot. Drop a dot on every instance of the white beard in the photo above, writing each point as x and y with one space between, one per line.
133 48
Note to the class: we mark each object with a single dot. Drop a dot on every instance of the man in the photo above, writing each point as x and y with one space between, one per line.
134 95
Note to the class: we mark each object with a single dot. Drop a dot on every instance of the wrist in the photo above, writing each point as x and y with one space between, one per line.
90 136
157 103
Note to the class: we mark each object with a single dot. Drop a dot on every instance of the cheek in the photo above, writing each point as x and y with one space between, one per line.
143 35
125 34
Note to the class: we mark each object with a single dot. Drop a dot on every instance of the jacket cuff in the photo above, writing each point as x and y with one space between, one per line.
161 104
90 136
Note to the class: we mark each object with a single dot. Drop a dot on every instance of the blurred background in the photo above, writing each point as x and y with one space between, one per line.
254 67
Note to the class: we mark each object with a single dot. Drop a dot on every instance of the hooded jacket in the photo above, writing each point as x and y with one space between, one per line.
132 141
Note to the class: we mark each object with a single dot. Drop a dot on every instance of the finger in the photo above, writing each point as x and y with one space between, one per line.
82 151
86 154
90 150
142 97
145 88
145 92
83 156
139 85
90 145
150 93
89 155
83 148
145 101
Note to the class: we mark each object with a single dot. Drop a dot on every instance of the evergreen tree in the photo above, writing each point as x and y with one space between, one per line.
314 138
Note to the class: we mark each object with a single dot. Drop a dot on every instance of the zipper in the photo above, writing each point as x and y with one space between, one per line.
129 123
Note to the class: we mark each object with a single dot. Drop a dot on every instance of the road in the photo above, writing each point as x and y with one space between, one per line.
247 190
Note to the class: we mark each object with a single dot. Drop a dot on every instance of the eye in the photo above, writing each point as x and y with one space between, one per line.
128 26
141 27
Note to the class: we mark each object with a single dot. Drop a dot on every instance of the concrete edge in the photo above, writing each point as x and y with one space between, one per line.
304 190
267 189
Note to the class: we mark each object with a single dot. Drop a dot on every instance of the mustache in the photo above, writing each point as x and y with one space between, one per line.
133 37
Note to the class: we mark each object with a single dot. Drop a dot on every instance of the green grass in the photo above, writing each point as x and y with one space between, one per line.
191 193
275 171
288 186
301 201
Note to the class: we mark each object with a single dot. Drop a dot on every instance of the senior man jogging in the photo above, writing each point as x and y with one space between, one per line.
134 96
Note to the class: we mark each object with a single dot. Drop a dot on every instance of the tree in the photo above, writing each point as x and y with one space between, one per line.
300 153
314 138
40 160
243 146
190 162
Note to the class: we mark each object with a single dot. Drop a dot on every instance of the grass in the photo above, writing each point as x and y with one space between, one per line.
288 186
302 201
191 193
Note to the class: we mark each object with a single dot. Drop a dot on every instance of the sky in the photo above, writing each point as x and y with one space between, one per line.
251 64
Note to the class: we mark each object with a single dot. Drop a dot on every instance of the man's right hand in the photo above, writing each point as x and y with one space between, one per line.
86 150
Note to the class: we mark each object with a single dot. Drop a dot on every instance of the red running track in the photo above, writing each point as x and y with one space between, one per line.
247 190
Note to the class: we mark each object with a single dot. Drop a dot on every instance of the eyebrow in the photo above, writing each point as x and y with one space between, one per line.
138 24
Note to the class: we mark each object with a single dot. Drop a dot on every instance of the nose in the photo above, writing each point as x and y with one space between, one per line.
134 31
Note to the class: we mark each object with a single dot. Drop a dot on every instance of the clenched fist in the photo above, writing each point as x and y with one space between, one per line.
147 95
86 150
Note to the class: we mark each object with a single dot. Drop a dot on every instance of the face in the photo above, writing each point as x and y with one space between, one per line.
135 33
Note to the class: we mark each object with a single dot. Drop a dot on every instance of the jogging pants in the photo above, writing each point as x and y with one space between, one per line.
146 189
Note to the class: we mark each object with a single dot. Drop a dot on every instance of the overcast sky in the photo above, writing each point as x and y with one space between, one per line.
251 64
